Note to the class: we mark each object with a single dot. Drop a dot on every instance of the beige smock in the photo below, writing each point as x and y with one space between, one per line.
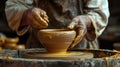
60 13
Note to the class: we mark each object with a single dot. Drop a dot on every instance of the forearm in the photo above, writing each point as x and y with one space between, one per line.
14 11
98 13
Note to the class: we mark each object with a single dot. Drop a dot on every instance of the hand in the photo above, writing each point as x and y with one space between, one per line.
35 17
80 24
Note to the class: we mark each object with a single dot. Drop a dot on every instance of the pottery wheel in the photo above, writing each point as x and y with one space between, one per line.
67 55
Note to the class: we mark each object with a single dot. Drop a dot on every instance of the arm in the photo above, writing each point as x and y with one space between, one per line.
92 23
21 14
98 12
14 11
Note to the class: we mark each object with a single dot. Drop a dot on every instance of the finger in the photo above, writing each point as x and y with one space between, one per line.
35 24
43 16
71 25
40 20
43 22
79 36
46 18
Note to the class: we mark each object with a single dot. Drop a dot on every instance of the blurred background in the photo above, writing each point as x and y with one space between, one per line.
110 39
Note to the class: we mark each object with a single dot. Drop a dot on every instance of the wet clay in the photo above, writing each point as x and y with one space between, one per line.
56 40
69 55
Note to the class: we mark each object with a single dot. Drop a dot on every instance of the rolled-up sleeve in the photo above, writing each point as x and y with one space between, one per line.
98 12
14 10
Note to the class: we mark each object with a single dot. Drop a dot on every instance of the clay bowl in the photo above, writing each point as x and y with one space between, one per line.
11 43
19 47
56 40
12 40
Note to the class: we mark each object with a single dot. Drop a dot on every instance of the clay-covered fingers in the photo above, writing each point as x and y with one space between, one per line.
79 36
79 26
35 24
39 18
71 25
44 16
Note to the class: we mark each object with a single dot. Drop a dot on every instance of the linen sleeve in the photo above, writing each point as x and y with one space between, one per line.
14 10
98 12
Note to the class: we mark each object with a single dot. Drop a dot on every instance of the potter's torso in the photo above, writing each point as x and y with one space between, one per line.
60 12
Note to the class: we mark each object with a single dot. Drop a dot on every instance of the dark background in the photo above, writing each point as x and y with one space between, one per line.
108 40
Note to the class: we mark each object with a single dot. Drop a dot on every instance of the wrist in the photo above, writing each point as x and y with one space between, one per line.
90 35
88 22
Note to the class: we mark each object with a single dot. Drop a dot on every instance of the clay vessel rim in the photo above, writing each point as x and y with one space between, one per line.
55 30
9 39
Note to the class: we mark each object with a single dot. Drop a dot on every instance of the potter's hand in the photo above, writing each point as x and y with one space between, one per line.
79 24
35 17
